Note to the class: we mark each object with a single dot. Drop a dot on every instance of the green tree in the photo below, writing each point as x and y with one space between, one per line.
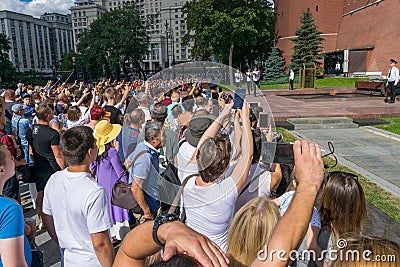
233 31
7 70
118 39
275 68
67 61
308 44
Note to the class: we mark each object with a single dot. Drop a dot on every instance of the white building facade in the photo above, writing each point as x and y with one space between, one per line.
34 45
166 36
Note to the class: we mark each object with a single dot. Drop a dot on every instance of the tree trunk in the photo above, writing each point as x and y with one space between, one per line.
230 64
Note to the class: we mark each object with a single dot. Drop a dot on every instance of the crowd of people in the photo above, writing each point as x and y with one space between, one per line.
79 140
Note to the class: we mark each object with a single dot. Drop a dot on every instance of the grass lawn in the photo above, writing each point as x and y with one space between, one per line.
383 200
393 127
326 82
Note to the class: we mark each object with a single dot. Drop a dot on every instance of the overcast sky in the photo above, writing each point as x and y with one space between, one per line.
37 7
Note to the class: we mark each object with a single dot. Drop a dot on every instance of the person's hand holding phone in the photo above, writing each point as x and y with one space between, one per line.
269 135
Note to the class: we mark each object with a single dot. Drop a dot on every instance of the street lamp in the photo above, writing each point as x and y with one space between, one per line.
74 68
167 36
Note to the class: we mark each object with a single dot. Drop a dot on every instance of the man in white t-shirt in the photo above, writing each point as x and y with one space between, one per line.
238 79
249 80
75 207
256 80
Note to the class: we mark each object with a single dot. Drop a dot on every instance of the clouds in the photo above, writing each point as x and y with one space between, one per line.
37 7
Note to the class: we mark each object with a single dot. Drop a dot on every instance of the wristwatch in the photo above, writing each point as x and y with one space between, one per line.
161 219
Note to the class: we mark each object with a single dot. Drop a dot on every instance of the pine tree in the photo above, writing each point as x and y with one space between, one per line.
308 44
275 68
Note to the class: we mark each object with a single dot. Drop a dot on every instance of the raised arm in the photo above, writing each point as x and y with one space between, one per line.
241 170
292 227
177 237
237 134
125 95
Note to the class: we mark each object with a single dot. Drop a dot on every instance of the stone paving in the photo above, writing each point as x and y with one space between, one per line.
347 102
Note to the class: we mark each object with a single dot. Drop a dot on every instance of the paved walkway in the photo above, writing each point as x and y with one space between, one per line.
366 150
373 153
347 102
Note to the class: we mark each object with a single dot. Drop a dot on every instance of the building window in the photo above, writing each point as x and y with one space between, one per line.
316 8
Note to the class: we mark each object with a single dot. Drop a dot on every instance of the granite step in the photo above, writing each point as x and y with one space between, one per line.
322 123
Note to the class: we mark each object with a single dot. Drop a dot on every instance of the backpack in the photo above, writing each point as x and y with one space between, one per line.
169 183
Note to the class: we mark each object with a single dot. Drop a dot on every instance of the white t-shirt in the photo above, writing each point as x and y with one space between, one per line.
79 207
209 209
185 167
258 184
249 76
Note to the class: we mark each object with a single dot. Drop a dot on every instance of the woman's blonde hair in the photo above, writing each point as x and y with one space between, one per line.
250 231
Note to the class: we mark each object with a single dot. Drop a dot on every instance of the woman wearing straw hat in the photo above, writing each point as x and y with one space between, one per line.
108 169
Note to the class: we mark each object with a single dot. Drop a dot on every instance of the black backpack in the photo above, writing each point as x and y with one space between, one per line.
168 184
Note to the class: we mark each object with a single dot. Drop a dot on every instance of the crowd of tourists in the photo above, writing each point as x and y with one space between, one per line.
227 208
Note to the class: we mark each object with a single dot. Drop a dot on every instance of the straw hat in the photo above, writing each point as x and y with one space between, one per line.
105 132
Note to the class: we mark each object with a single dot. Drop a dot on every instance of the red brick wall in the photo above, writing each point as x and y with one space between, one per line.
328 18
377 26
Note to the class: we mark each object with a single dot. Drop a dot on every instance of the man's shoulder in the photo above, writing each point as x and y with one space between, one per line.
111 108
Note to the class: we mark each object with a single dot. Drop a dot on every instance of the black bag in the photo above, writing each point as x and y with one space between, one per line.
121 192
37 259
26 173
168 185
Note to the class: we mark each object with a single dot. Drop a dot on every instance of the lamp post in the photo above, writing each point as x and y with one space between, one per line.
167 36
74 68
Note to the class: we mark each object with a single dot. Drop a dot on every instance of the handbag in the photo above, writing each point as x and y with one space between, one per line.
26 173
37 256
168 185
37 259
122 195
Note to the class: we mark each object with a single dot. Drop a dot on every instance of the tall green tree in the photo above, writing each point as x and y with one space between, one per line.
67 61
308 44
235 32
118 39
275 68
7 69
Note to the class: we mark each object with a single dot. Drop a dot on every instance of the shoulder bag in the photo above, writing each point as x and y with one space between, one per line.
122 195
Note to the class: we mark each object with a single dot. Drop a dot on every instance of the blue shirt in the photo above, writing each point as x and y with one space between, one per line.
29 110
24 125
12 225
146 168
127 140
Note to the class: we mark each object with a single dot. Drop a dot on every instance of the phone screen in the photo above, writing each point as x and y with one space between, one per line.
277 153
239 98
263 119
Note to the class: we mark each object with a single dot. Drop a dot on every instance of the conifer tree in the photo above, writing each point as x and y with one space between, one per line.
308 44
275 68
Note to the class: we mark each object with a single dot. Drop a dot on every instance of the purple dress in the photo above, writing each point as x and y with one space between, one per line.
108 172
